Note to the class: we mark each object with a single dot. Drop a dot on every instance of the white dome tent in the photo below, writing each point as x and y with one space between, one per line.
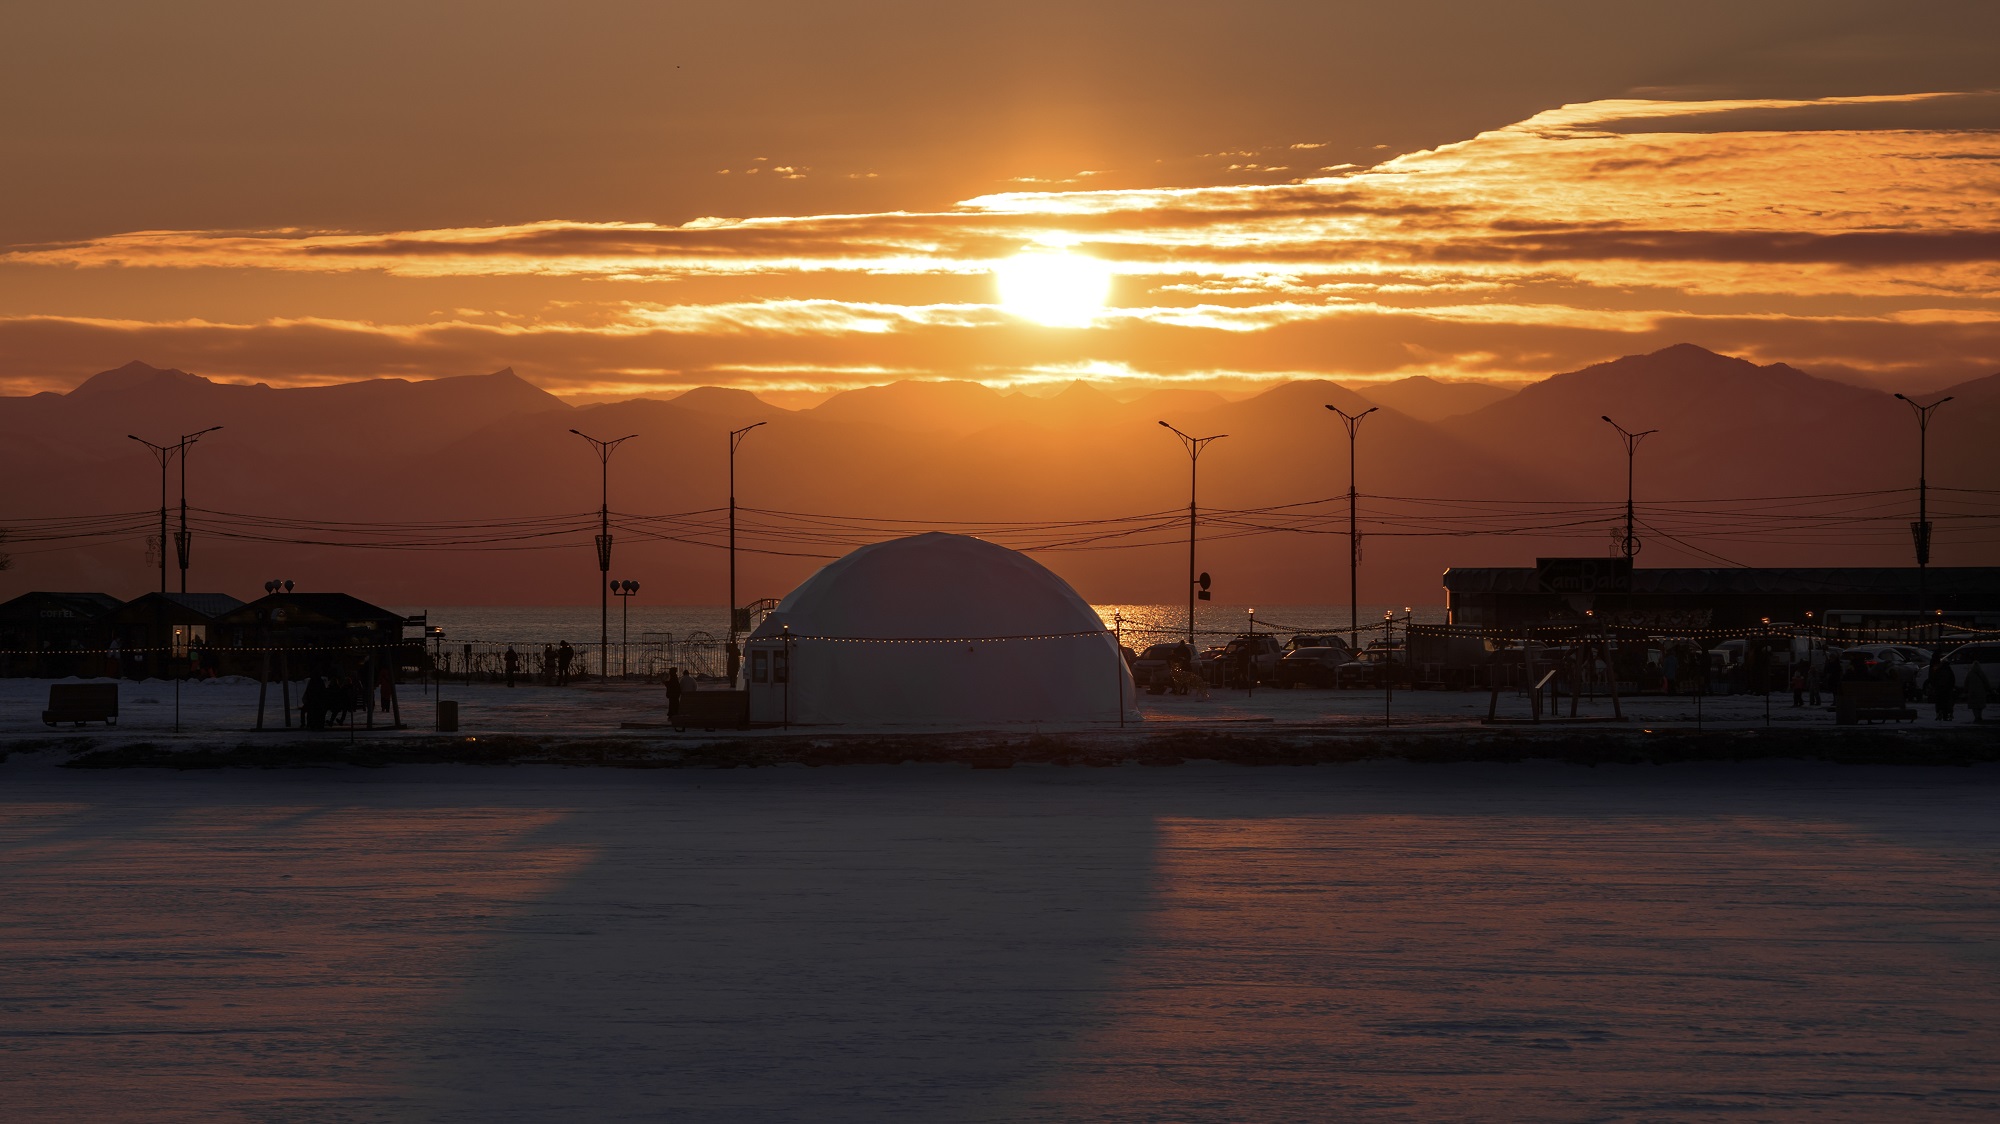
935 629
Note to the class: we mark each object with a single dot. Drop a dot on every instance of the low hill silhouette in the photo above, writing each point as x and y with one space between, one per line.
494 447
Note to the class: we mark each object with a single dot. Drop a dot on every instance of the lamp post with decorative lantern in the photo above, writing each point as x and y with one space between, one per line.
624 590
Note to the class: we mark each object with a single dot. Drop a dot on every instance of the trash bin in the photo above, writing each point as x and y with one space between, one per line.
447 716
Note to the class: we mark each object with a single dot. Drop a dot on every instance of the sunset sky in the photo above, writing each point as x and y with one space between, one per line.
629 199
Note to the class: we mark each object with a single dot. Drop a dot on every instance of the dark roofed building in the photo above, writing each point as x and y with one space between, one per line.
312 630
53 635
158 628
1697 597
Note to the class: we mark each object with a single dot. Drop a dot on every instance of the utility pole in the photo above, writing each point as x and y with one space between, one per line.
604 449
1629 546
184 540
1194 447
1353 423
735 438
1920 531
163 454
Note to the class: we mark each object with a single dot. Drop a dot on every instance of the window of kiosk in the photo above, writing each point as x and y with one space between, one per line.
760 667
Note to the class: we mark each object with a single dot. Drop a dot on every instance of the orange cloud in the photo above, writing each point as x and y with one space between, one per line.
1831 226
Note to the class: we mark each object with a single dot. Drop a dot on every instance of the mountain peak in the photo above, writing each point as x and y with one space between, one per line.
133 376
723 400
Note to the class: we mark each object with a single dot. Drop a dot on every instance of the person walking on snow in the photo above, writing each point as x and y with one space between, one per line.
1943 689
673 694
513 661
1978 689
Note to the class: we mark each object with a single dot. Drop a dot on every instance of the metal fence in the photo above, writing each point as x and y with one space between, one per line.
646 658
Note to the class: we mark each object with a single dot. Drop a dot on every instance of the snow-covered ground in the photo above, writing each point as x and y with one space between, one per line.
229 706
1767 941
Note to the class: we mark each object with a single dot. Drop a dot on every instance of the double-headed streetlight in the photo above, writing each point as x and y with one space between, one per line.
735 438
1353 423
604 450
1194 447
625 590
183 539
1920 531
1629 545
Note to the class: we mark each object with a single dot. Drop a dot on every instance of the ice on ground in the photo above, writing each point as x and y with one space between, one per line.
638 709
1507 942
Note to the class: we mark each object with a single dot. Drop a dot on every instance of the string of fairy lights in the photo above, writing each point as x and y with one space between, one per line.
1706 529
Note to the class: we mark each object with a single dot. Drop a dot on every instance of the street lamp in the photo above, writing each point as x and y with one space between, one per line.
1629 546
1920 531
1353 423
163 454
604 449
1194 447
184 541
735 438
624 591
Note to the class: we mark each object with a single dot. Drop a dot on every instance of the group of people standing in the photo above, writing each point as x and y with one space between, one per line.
1941 686
334 698
557 659
1945 691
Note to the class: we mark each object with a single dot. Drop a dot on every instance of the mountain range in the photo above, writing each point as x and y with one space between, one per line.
495 447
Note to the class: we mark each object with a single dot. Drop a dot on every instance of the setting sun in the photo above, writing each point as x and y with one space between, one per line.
1059 289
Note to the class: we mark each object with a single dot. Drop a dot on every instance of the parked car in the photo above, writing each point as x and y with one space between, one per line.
1371 667
1311 667
1263 651
1316 640
1154 669
1887 661
1984 653
1207 664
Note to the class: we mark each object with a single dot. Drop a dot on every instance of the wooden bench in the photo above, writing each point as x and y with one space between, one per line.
82 702
1871 700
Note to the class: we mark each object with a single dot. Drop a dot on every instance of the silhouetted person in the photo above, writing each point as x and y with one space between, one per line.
312 705
513 662
673 693
385 686
1798 683
564 654
548 665
1943 689
1977 689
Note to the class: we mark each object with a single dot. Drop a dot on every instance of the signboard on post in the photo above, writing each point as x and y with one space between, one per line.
1584 575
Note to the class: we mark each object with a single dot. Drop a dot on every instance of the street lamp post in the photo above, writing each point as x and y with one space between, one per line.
1194 447
625 590
163 454
1353 423
735 438
184 540
1629 545
604 449
1920 531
